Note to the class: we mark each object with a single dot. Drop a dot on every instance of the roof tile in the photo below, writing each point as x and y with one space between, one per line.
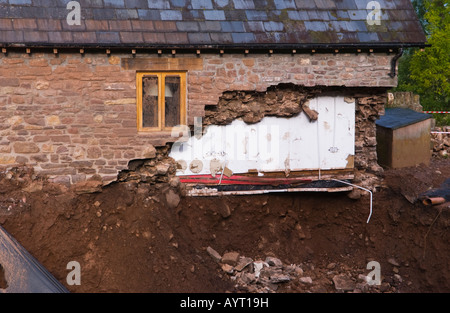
221 38
243 37
284 4
153 38
108 37
203 38
114 3
158 4
120 25
214 15
178 37
201 4
210 26
171 15
188 26
243 4
87 37
233 26
130 37
139 25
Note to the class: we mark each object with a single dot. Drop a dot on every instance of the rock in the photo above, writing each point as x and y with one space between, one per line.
214 254
172 199
174 182
273 261
247 278
392 261
306 280
162 168
343 282
149 152
331 266
243 263
398 278
230 258
227 268
279 278
224 209
298 270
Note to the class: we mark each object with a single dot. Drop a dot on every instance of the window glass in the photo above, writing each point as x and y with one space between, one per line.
150 93
172 101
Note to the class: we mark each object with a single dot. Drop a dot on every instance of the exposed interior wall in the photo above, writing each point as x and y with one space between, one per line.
72 117
288 100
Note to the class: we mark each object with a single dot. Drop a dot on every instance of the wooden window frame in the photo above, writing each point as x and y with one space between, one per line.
161 100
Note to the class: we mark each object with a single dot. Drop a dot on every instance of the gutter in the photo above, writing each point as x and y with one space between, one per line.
392 74
316 47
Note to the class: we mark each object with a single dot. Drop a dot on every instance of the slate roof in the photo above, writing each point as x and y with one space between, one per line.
208 23
395 118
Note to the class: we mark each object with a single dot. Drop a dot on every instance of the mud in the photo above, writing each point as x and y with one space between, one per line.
134 237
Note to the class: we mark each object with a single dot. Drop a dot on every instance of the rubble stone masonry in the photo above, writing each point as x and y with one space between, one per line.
72 116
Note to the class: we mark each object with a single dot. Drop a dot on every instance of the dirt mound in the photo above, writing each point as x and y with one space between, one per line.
137 237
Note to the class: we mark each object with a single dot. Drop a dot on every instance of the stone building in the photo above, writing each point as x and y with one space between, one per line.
88 88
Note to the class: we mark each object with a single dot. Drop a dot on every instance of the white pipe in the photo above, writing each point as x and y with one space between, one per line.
344 182
440 132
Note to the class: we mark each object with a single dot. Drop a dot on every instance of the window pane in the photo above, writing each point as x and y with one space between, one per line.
172 101
150 101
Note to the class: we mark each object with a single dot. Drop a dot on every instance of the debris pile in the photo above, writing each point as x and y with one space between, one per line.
272 276
441 142
158 168
257 276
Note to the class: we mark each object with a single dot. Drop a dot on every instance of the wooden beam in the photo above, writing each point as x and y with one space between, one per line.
162 64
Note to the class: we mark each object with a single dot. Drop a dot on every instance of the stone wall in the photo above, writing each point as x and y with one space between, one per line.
72 116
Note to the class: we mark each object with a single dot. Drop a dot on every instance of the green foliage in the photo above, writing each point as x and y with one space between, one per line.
427 72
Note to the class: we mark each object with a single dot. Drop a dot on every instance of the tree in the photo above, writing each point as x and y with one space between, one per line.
427 72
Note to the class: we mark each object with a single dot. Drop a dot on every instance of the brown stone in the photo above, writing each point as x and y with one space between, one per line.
25 147
94 152
231 258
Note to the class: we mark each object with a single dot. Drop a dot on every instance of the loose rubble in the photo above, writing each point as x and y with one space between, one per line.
441 142
271 275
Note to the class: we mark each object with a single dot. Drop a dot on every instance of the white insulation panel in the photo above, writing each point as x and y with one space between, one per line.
275 143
